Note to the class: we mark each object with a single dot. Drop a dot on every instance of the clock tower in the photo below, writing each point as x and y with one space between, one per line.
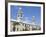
20 15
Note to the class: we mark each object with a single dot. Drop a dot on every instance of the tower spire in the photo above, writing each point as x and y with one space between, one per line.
33 20
20 8
20 14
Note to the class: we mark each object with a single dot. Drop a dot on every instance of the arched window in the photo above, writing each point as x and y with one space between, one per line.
14 28
17 29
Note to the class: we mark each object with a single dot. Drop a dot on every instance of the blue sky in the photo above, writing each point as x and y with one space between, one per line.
28 11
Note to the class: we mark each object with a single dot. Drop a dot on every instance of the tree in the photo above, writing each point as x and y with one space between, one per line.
14 24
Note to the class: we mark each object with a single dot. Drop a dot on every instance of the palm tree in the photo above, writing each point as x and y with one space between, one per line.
14 24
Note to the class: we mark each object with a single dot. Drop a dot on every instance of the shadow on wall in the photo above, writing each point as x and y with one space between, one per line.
13 0
13 36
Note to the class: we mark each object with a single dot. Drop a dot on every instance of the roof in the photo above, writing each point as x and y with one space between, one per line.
22 22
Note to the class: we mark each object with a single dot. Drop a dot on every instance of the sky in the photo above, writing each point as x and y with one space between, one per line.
28 12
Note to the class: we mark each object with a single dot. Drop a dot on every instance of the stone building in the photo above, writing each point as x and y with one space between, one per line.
20 25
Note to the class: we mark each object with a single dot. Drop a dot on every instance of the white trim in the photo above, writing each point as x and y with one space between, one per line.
24 4
23 32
